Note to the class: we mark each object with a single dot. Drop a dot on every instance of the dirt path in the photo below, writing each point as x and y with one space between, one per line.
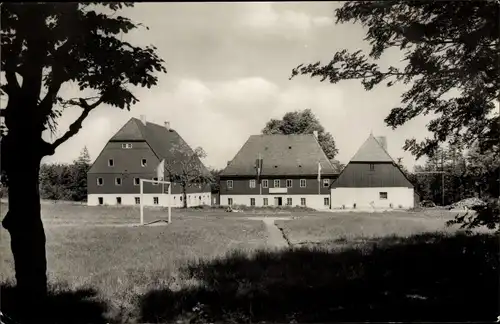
275 238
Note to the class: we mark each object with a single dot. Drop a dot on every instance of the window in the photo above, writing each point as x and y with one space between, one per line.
230 201
181 198
372 167
252 183
252 201
229 184
302 201
265 202
126 146
144 162
118 181
137 200
326 201
289 201
382 195
155 200
100 181
277 183
302 183
118 200
326 182
100 200
265 183
137 181
289 183
111 162
155 183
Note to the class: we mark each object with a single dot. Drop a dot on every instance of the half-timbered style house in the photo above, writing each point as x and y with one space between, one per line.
278 170
134 153
372 180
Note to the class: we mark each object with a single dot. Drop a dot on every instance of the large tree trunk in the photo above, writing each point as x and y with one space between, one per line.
23 221
184 196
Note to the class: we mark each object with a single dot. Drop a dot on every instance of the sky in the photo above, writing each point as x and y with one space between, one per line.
228 73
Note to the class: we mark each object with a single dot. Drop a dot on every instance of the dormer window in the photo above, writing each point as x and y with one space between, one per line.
111 163
144 162
126 145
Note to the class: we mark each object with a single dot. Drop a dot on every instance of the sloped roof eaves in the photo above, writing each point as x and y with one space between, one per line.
371 151
301 159
133 130
159 139
391 160
162 141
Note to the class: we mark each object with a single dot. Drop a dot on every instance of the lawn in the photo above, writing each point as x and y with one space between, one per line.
94 247
350 226
210 266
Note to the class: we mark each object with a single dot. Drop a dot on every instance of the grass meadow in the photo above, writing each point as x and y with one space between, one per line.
211 266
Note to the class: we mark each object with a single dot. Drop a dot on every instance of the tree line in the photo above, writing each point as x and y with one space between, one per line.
62 181
466 173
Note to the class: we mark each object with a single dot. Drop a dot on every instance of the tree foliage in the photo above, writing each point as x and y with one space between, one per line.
50 44
447 46
186 169
471 173
45 46
65 181
215 176
302 122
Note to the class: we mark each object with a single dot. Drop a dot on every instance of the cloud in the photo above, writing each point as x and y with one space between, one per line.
265 18
219 116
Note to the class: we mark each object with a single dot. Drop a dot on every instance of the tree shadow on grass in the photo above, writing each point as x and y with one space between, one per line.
430 277
63 306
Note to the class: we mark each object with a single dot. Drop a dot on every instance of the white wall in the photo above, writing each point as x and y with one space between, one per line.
129 199
312 201
370 197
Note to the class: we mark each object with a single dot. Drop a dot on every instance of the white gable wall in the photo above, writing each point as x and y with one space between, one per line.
369 198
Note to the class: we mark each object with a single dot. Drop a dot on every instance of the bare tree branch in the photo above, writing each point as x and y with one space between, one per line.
77 124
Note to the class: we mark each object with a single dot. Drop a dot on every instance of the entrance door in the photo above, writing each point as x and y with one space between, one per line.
278 201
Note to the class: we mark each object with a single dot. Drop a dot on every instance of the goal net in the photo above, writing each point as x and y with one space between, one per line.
156 199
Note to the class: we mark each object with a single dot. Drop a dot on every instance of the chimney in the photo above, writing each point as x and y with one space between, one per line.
383 141
315 133
143 119
167 125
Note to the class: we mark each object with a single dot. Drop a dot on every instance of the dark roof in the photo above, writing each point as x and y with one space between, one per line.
292 154
165 143
371 151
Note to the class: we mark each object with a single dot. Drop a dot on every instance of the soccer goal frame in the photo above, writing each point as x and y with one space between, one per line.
169 193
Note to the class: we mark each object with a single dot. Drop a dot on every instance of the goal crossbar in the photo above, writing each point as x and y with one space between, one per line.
169 192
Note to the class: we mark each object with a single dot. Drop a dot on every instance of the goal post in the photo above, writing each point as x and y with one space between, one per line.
169 196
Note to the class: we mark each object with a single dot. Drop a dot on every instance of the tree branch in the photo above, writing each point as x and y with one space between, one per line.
59 76
77 124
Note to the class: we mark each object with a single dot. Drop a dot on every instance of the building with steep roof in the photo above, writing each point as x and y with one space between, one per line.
372 180
134 153
276 170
